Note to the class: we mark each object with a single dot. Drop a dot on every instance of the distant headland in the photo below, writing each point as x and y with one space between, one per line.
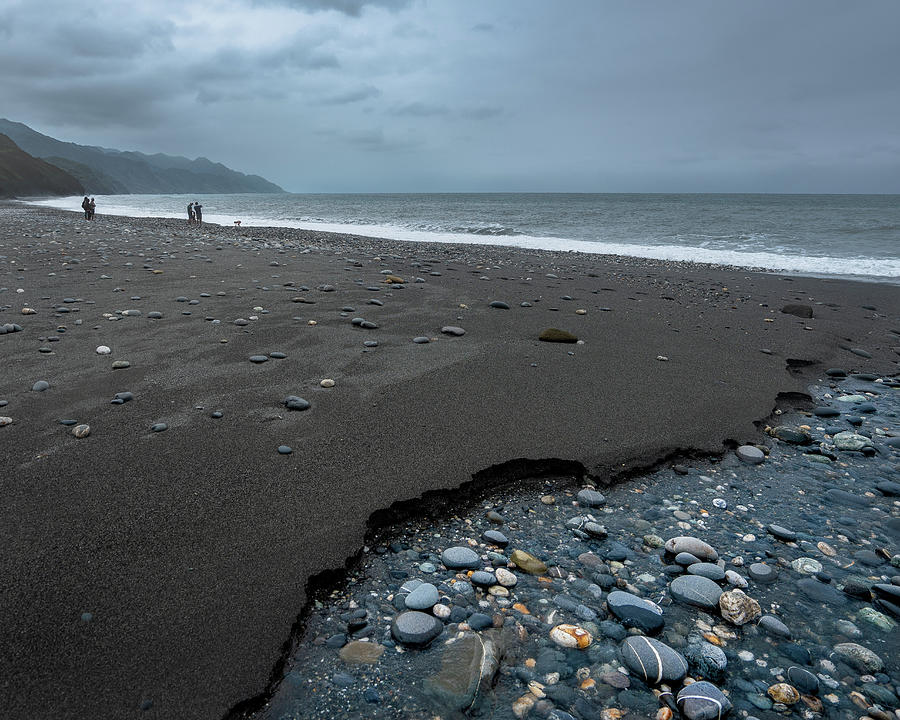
104 171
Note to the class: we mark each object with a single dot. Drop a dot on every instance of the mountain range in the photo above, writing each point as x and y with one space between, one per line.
104 171
22 175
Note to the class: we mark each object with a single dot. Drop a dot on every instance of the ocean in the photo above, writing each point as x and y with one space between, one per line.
820 235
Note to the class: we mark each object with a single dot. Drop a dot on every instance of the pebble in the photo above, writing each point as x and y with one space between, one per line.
571 636
81 431
703 701
460 558
158 427
423 597
415 628
750 454
636 612
654 661
762 573
103 350
40 386
284 450
292 402
696 590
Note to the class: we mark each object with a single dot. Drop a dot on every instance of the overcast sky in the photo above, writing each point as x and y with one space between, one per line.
499 95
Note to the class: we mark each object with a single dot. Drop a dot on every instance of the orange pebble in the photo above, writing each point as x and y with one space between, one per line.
714 639
587 684
521 608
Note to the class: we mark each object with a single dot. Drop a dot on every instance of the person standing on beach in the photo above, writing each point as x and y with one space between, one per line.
198 214
190 213
91 208
86 206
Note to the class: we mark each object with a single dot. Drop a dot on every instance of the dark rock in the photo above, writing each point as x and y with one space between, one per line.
703 701
500 305
801 311
636 612
653 661
707 570
557 335
762 573
292 402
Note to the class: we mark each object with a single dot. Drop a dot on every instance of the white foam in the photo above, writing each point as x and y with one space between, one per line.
882 269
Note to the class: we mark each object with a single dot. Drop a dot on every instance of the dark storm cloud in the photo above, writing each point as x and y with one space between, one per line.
510 94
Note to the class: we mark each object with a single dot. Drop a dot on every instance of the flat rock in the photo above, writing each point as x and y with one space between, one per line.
591 497
453 330
859 657
696 590
557 335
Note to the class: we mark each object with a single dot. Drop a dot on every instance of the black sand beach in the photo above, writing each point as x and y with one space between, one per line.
191 548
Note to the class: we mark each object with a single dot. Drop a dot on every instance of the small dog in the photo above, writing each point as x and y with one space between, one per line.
237 223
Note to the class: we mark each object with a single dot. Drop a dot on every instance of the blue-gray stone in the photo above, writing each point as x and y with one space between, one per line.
495 537
423 597
460 558
762 573
40 386
591 497
292 402
703 701
415 628
696 590
258 358
483 578
707 570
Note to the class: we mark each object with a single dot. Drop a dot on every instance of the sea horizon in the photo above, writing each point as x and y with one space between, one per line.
821 235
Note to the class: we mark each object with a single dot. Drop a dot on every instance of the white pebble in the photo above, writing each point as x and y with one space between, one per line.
103 350
5 421
327 383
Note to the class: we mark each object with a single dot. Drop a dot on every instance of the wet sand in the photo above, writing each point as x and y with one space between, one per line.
191 548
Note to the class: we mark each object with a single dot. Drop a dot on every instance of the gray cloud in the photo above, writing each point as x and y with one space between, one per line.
511 94
420 110
366 92
353 8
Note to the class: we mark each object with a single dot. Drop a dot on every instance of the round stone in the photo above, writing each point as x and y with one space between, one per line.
738 608
774 626
120 364
158 427
806 566
217 414
703 701
103 350
571 636
81 431
326 383
803 680
284 450
783 693
292 402
424 597
370 343
653 661
421 340
505 577
40 386
483 578
4 420
415 628
696 547
495 537
155 315
686 559
696 590
859 657
636 612
762 573
750 454
500 305
590 497
453 330
460 558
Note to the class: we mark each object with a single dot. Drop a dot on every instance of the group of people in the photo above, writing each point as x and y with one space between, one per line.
195 213
89 206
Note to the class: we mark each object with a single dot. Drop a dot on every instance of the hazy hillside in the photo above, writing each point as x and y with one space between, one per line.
22 175
105 171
